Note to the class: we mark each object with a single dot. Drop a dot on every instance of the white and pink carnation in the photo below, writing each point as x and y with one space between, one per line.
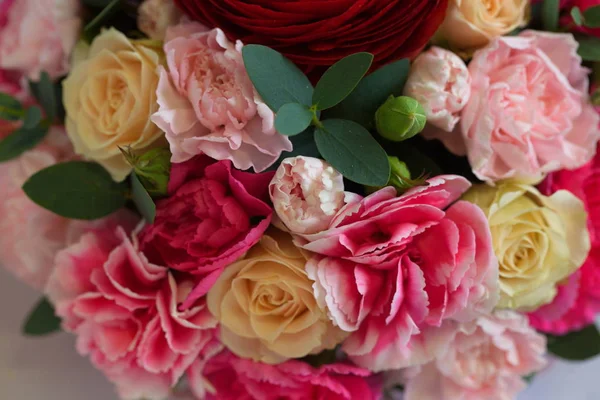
392 269
208 104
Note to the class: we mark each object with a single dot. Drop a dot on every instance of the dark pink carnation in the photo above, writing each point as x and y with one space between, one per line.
228 377
213 215
392 269
578 300
126 311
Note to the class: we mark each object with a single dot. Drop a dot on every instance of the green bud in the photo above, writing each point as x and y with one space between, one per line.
400 118
400 177
152 168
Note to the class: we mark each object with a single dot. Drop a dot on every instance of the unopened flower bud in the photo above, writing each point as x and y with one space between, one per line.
400 118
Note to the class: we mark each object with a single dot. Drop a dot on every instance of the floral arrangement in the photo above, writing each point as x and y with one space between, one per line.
352 199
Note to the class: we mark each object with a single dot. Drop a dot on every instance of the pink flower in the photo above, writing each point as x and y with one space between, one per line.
30 235
440 81
208 104
307 193
126 311
228 377
379 278
529 112
486 359
578 299
213 216
38 35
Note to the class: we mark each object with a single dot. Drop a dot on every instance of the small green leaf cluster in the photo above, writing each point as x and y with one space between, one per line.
333 118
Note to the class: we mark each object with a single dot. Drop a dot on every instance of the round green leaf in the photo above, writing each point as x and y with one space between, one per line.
591 17
76 189
576 346
10 108
21 140
33 116
292 119
276 79
550 13
577 16
589 48
351 149
340 80
142 199
41 320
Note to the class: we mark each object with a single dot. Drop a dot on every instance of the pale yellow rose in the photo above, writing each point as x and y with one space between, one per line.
539 240
471 24
266 306
109 96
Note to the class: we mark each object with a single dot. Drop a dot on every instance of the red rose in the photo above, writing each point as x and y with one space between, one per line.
213 215
316 34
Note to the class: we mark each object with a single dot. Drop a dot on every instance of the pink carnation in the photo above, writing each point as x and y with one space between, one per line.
213 216
30 235
486 359
379 278
126 311
38 35
529 112
208 104
578 299
228 377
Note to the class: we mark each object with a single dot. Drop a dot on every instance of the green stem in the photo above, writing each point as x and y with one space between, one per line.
315 119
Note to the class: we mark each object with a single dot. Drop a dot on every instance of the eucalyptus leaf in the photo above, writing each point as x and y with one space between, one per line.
576 346
550 14
577 16
303 145
42 320
292 119
276 79
589 48
142 199
340 80
360 106
10 108
45 92
591 17
76 189
33 116
351 149
21 140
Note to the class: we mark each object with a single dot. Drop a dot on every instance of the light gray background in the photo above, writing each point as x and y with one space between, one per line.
50 369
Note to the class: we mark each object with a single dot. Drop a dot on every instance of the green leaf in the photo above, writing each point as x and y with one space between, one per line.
153 169
276 79
21 140
10 108
303 145
371 93
591 17
142 199
351 149
292 119
589 48
33 116
340 80
576 15
45 92
76 189
550 13
94 26
576 346
41 320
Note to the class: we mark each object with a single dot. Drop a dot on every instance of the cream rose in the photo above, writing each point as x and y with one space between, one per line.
266 306
109 97
471 24
539 240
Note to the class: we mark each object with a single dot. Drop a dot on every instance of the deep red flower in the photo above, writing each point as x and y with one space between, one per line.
315 34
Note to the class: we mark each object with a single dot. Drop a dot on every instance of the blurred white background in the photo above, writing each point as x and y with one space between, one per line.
49 368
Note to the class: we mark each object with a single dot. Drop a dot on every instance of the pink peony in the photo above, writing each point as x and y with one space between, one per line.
228 377
440 81
529 112
38 35
486 359
578 299
30 235
208 104
213 216
126 311
377 275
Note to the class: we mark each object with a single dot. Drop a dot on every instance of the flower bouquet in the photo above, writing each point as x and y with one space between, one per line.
350 199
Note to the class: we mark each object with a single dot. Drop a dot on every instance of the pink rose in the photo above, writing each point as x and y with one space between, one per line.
379 278
38 35
232 378
440 81
306 193
578 299
208 104
529 112
213 216
30 235
126 311
487 359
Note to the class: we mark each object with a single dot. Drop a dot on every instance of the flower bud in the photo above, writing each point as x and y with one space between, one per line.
400 118
152 168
